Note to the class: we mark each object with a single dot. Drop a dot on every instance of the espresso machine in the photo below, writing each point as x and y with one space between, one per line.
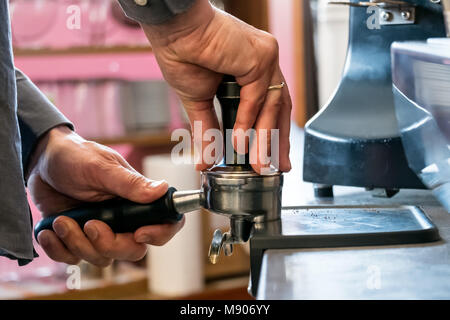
353 141
358 139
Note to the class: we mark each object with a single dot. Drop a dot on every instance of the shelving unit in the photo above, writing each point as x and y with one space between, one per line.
120 63
127 63
141 139
81 50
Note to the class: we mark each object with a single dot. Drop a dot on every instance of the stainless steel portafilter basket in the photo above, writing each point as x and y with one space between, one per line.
245 198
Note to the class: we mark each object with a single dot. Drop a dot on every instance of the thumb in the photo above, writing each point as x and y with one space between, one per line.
131 185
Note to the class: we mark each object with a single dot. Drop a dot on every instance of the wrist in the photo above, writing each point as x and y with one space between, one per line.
183 24
49 138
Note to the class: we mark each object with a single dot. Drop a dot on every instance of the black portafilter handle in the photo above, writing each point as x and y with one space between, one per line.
119 214
229 96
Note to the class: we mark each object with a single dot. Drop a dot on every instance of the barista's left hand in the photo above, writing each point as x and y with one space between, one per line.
195 49
65 170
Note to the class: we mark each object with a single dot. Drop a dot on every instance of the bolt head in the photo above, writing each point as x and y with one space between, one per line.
386 16
406 15
141 3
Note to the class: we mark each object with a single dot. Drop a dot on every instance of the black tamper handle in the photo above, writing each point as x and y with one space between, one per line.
120 214
229 96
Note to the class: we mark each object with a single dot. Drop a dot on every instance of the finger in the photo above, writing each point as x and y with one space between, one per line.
130 184
76 241
120 246
252 99
284 124
260 152
202 117
158 235
55 249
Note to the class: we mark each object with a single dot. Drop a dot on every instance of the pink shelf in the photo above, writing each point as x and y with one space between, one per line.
132 66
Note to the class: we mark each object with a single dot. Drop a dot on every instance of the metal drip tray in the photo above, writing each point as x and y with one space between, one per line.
340 226
323 226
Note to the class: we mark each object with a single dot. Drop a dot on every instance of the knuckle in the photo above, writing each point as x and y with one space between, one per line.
289 105
137 256
89 144
278 104
72 260
271 46
135 178
136 181
101 262
242 123
75 247
106 250
93 165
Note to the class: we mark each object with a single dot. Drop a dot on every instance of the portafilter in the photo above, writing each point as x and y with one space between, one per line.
231 188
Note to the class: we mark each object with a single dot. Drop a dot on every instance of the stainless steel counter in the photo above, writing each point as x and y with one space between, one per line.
420 271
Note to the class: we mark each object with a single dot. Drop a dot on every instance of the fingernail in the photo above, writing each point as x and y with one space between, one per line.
60 229
155 184
144 238
91 232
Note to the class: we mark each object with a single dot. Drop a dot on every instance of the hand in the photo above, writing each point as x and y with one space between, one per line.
196 48
65 170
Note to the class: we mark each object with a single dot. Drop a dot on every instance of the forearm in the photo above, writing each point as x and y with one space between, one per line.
37 115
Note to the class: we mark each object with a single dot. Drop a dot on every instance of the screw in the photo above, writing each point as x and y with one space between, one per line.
406 15
141 3
385 16
228 249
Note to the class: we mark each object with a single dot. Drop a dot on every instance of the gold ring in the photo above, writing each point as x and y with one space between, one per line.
277 86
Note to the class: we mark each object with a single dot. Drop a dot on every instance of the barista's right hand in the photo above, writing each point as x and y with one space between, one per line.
66 170
197 47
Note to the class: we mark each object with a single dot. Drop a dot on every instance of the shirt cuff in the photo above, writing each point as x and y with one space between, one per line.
154 11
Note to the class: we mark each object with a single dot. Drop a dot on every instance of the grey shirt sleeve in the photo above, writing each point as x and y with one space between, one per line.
25 115
36 115
154 11
15 218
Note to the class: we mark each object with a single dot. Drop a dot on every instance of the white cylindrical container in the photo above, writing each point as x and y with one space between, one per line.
446 4
176 269
332 42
